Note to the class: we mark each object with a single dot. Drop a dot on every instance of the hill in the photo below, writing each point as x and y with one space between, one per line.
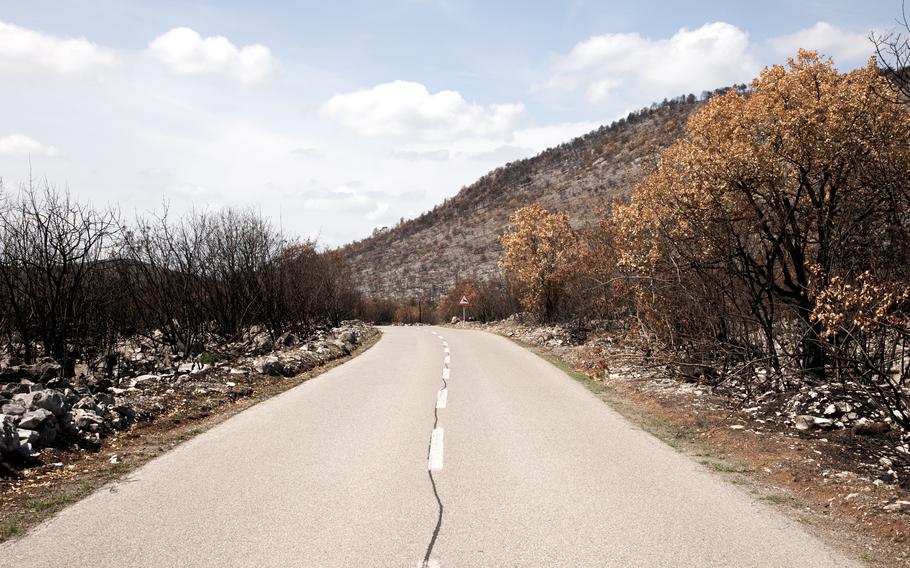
459 238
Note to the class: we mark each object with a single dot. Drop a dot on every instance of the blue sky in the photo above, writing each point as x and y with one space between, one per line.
337 117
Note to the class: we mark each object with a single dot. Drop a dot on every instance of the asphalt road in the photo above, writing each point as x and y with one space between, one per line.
529 468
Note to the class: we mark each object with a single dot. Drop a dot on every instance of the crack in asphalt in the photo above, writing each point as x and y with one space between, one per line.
426 557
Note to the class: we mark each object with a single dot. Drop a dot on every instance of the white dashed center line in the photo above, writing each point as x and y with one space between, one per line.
448 359
436 449
441 398
445 373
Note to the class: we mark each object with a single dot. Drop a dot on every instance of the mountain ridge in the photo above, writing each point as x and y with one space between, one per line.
459 238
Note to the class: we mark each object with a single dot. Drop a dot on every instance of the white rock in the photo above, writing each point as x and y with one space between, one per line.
898 506
144 379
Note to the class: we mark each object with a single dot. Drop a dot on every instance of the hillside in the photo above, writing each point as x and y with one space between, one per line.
459 238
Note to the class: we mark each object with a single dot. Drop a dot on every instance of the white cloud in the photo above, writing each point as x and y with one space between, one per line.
348 199
18 145
403 108
188 53
21 47
522 143
840 44
538 139
711 56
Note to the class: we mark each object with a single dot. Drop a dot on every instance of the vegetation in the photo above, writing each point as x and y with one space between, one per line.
540 255
769 243
75 280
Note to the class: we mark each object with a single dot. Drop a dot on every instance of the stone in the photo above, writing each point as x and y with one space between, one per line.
897 507
9 436
261 341
269 365
144 380
25 451
88 421
288 339
14 408
86 403
48 369
28 436
126 412
67 423
47 399
804 422
105 398
824 422
33 419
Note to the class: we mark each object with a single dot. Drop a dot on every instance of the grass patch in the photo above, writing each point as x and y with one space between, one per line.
206 358
59 501
779 499
9 529
724 468
116 470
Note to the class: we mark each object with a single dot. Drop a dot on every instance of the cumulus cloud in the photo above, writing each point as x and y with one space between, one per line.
523 143
403 108
713 55
18 145
21 47
840 44
188 53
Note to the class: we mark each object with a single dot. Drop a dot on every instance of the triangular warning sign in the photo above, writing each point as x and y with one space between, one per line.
464 301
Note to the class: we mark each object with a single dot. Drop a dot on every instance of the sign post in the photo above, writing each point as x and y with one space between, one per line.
464 303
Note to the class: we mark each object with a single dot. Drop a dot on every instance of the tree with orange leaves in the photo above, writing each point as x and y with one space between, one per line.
773 192
540 254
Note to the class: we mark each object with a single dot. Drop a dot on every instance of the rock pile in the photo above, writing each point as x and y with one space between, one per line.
38 408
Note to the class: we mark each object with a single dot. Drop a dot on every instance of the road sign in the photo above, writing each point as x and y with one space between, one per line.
464 303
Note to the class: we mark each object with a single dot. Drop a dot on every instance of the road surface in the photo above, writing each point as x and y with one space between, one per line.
351 469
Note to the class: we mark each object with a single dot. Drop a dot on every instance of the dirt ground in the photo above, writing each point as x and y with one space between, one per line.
29 495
